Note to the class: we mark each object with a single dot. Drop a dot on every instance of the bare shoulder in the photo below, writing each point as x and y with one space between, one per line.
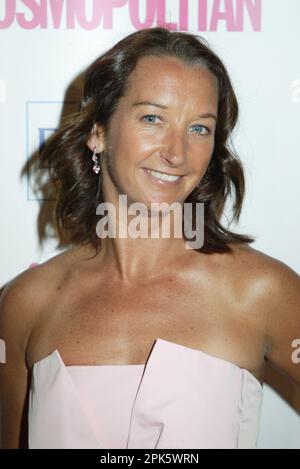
264 281
265 271
274 289
267 277
23 301
24 297
258 281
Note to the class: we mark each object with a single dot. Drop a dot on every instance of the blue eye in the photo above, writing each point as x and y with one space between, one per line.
202 127
150 119
149 115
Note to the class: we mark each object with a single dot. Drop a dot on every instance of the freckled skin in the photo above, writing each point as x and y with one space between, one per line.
153 276
172 144
110 309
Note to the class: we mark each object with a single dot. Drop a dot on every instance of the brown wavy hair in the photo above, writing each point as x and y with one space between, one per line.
69 159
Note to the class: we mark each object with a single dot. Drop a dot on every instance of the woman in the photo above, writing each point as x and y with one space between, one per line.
139 342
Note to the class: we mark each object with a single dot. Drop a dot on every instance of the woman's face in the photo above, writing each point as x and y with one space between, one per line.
165 124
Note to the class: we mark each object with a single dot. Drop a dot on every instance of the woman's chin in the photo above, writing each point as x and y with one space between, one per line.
156 200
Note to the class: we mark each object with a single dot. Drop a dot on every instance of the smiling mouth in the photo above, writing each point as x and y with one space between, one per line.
163 178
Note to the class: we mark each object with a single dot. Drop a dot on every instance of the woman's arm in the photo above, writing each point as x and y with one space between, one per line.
16 312
282 303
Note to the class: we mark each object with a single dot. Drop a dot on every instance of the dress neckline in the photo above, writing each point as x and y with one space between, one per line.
158 342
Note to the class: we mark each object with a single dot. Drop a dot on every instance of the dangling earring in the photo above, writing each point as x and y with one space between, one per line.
96 167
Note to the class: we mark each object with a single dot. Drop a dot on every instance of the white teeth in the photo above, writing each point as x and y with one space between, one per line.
163 177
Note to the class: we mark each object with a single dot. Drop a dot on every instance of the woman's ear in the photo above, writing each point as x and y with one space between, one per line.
96 139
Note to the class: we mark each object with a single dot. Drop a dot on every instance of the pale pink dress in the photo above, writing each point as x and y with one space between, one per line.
181 398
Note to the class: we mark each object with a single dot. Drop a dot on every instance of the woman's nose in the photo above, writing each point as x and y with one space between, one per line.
174 152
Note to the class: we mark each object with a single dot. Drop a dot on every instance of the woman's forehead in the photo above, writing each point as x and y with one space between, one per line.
169 75
162 68
156 77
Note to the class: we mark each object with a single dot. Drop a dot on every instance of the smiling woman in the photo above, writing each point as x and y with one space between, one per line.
149 71
129 342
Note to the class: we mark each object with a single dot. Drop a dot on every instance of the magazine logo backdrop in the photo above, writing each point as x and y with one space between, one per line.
45 47
100 14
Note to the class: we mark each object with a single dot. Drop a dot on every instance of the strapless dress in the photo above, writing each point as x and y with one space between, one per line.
181 398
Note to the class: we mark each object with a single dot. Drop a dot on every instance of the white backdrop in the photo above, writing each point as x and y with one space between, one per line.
46 44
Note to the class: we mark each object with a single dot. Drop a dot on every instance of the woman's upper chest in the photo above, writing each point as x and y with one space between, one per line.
109 322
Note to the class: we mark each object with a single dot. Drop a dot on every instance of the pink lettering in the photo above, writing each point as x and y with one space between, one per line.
227 15
56 7
254 10
39 14
202 15
134 14
183 15
9 8
108 8
77 8
161 16
73 13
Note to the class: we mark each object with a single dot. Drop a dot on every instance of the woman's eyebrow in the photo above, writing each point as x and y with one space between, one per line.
149 103
206 115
